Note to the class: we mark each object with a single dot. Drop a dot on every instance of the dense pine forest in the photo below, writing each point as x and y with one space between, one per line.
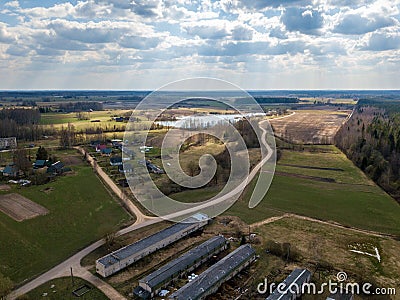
371 139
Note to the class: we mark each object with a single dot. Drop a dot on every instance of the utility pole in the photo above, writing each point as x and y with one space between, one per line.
72 278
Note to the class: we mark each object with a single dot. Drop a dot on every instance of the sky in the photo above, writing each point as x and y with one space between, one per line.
144 44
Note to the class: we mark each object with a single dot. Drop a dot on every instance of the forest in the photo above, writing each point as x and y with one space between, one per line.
371 139
23 123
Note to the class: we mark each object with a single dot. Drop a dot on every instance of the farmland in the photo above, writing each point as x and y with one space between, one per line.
310 126
20 208
78 206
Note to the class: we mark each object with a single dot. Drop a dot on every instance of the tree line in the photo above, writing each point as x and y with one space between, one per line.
371 139
23 123
80 106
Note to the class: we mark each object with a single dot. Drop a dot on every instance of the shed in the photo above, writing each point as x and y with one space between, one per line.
116 161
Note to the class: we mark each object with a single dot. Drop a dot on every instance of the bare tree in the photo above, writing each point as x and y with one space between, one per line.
21 161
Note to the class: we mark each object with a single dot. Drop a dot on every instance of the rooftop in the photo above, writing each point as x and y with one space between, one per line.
206 280
293 282
183 262
142 244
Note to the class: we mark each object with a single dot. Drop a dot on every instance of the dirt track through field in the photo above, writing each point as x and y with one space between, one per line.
20 208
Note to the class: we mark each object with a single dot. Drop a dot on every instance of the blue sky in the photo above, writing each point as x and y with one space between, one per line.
144 44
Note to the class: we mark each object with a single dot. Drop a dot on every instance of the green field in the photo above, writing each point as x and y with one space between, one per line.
81 212
105 118
62 288
353 200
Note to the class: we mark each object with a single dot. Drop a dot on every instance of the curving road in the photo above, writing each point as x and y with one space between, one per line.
63 269
132 208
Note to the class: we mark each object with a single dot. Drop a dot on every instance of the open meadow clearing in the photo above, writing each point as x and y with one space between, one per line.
81 211
351 199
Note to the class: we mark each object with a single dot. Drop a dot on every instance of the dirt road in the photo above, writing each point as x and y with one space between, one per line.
132 208
63 269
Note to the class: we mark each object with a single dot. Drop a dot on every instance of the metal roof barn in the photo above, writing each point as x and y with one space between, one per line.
210 280
120 259
291 287
183 264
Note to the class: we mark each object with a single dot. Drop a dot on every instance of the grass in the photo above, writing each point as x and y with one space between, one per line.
351 204
196 195
305 237
336 159
81 212
63 288
62 119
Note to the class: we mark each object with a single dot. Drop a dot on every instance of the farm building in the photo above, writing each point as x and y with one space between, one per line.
127 255
292 287
161 278
211 279
116 161
8 143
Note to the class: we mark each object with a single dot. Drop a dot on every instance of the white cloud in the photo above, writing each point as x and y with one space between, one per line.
356 24
232 38
5 35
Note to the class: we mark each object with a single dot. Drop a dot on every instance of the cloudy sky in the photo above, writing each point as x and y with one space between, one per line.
143 44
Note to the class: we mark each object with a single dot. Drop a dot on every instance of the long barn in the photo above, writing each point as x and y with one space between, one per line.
211 279
122 258
184 264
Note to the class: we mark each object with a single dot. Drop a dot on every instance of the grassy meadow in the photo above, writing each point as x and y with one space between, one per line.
81 212
62 288
352 200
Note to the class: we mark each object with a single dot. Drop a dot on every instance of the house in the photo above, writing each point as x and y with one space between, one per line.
56 168
116 143
11 170
94 144
125 168
40 163
116 161
341 294
100 147
106 151
8 143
